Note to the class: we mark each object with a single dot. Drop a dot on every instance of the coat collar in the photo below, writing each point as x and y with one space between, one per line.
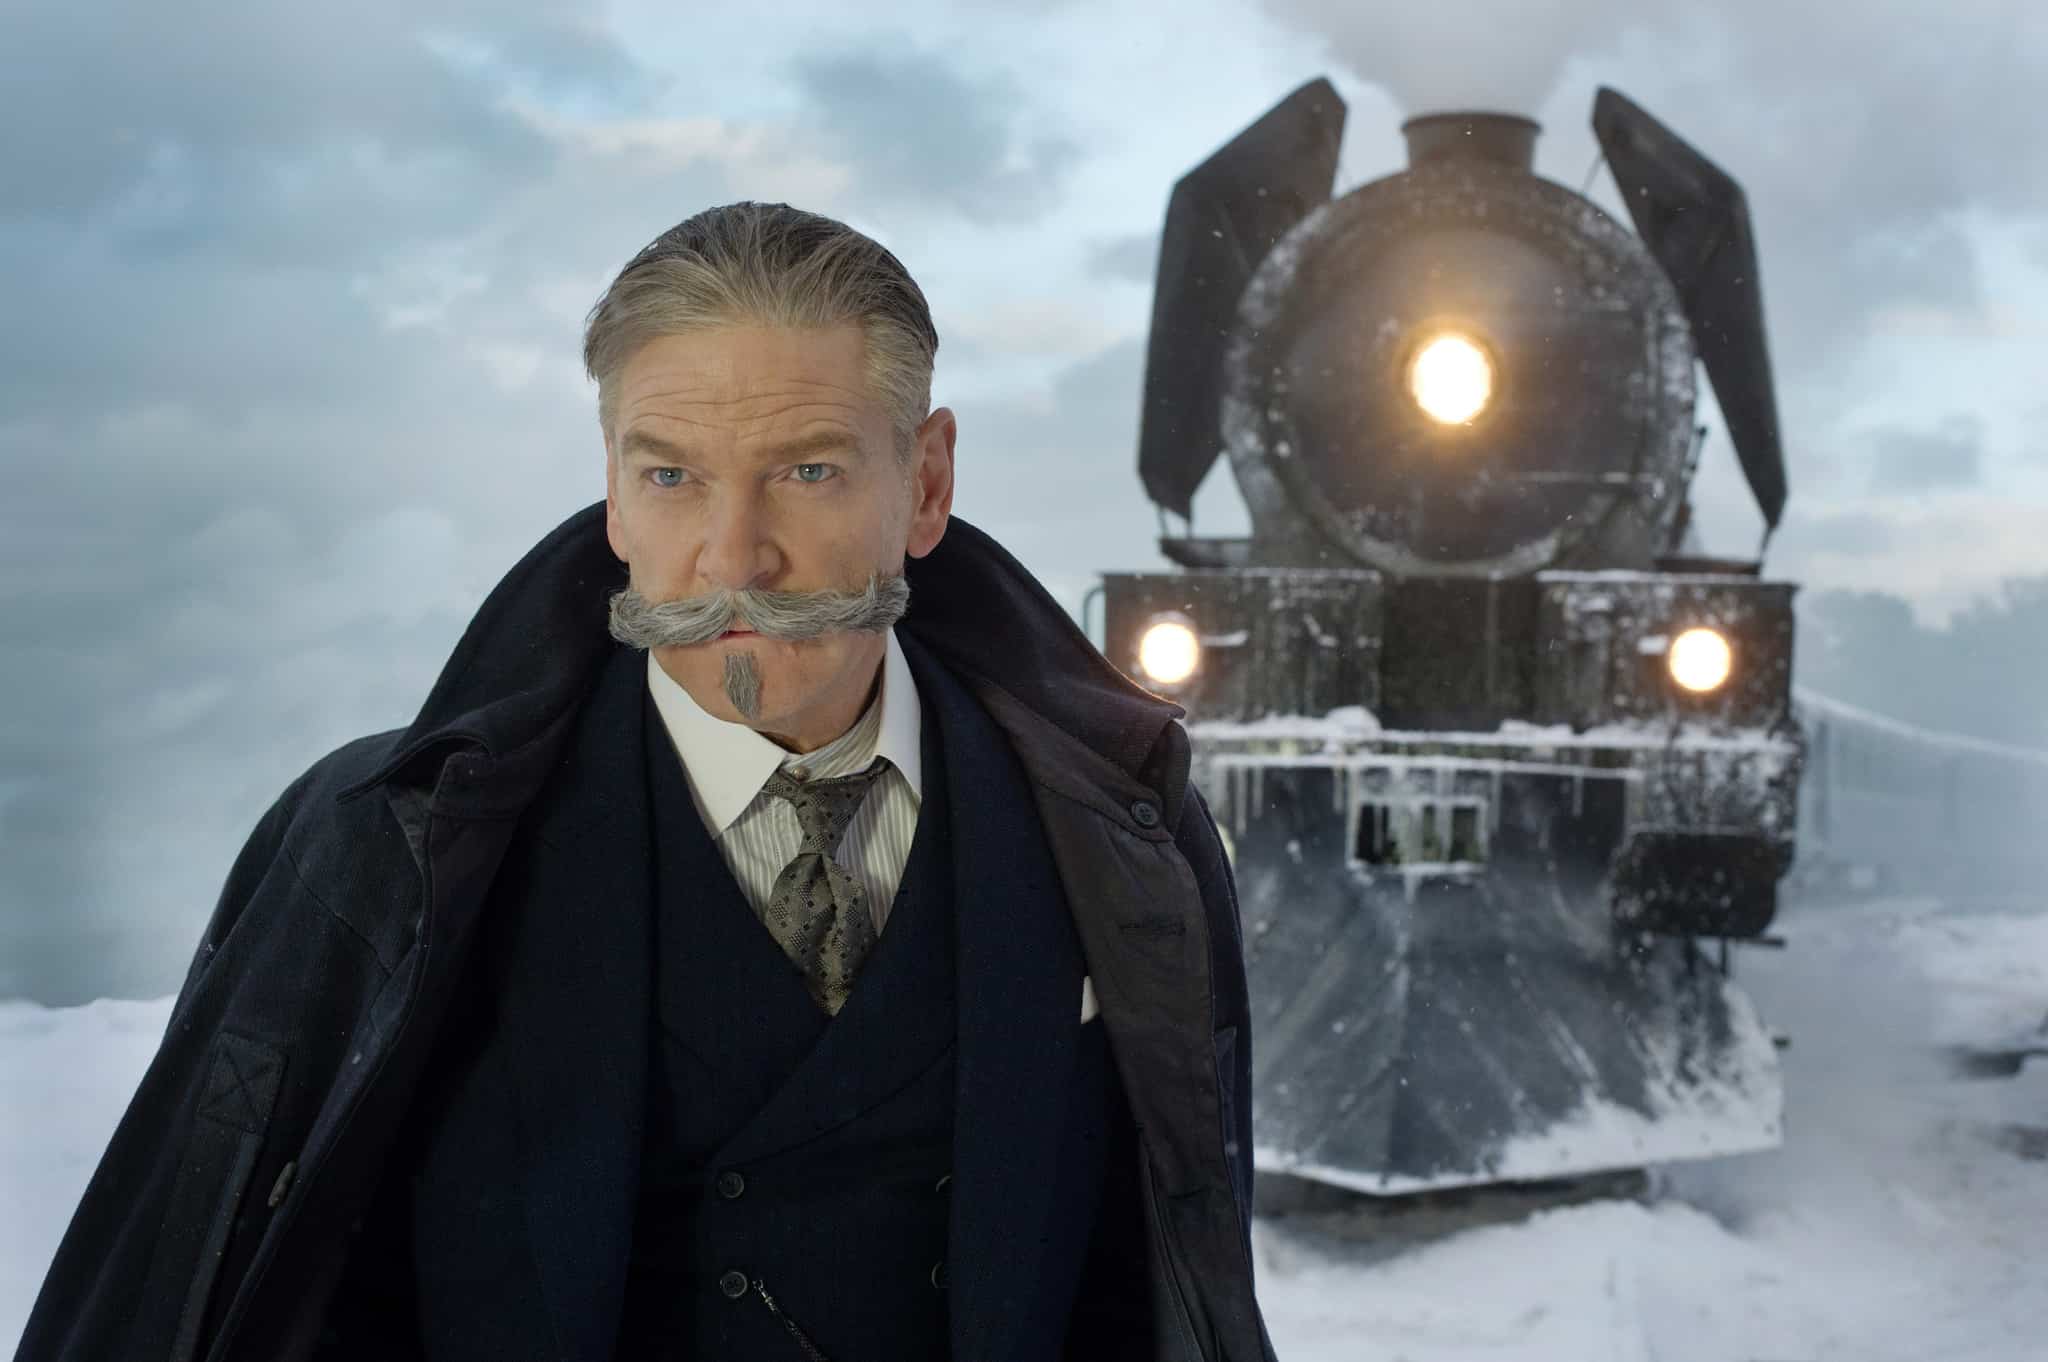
536 644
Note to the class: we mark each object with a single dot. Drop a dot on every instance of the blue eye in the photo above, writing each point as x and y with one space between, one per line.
825 470
655 473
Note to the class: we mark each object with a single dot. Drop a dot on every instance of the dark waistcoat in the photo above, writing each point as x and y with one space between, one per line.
629 1032
807 1153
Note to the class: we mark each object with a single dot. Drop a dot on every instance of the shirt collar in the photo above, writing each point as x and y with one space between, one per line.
901 736
726 764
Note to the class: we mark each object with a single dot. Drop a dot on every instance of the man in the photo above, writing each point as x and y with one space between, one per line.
801 944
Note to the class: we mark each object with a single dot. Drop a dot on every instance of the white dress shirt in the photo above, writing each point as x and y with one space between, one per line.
726 765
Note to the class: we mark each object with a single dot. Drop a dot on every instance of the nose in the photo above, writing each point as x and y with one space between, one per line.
738 553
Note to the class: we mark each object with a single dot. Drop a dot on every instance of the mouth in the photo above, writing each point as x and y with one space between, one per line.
737 633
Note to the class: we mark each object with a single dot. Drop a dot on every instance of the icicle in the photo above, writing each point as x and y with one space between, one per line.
1354 814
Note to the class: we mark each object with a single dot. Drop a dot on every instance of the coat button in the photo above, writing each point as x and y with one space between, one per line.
1145 813
733 1284
939 1274
940 1185
731 1184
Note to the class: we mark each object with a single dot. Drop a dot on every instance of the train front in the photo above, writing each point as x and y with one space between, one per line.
1495 752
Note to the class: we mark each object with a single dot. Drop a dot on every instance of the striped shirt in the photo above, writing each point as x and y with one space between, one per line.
726 765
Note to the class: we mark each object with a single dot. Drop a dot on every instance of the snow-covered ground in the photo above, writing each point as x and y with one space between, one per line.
65 1078
1905 1220
1897 1224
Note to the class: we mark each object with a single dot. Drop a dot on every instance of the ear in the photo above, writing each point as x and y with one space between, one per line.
614 526
931 478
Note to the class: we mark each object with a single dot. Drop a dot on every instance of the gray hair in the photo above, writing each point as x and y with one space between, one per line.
773 265
689 620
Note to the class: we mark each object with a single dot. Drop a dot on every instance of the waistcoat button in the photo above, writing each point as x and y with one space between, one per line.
1145 813
733 1284
939 1274
731 1184
940 1185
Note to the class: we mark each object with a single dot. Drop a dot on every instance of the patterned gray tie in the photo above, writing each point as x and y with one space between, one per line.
817 912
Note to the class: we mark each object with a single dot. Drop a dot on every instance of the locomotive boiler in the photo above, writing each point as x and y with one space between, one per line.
1503 762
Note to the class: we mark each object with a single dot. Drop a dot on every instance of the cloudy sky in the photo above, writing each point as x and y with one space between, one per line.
293 311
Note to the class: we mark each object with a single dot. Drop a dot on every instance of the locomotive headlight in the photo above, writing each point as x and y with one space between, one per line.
1451 379
1169 650
1700 660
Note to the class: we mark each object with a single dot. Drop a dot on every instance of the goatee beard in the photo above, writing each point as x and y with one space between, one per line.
743 684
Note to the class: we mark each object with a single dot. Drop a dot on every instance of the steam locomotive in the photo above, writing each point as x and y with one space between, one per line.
1503 762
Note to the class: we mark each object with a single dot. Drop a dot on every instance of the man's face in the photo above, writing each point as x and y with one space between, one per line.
755 459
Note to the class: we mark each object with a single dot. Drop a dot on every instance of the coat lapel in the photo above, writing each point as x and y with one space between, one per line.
1018 1023
577 1012
713 956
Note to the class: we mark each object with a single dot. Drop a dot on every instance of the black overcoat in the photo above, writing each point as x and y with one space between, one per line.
219 1219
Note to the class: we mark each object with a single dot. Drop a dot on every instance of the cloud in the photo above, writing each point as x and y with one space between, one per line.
912 124
1483 61
1845 533
186 117
1945 552
1910 459
1134 257
1056 469
1045 325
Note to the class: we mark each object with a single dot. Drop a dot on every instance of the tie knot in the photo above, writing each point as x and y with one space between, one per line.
826 805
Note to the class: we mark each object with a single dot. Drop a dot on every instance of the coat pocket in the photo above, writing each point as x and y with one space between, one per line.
1169 1299
238 1094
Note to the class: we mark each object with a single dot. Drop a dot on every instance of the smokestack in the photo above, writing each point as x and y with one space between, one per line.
1503 138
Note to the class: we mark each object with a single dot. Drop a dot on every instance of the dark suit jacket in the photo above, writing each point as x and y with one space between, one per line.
529 1134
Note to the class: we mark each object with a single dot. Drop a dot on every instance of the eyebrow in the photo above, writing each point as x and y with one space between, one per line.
819 442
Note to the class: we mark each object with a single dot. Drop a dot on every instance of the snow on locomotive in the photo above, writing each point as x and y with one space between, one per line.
1499 758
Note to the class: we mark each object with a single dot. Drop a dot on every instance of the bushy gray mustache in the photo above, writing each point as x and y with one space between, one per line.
641 623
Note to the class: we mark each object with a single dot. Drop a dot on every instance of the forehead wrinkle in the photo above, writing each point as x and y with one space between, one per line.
748 414
816 438
751 410
799 419
729 392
